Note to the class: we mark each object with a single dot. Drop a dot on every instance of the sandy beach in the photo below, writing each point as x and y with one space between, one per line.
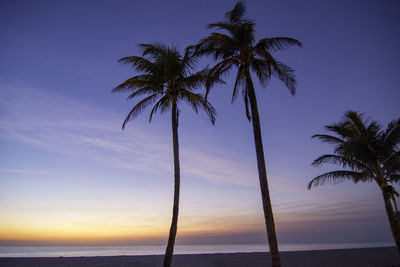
364 257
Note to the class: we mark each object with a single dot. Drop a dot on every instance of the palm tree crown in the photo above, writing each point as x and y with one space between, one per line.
366 153
165 78
237 48
363 149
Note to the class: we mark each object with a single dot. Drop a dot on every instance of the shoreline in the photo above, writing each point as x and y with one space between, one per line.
374 257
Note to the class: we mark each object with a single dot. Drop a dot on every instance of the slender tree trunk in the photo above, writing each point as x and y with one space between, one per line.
262 174
174 224
394 223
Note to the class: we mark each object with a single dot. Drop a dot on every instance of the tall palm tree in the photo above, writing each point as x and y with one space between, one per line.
235 47
367 153
166 79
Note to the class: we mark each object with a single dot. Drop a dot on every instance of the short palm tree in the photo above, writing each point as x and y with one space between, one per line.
166 79
367 153
236 48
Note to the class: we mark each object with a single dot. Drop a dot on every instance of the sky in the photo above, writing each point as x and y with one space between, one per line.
70 175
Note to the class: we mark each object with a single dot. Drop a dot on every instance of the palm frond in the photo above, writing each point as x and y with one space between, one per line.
342 161
277 43
189 60
392 162
217 71
355 123
262 70
340 129
156 51
391 139
218 44
139 63
237 14
394 178
222 26
336 177
329 139
239 82
286 75
160 103
138 108
198 101
246 103
194 81
144 91
271 66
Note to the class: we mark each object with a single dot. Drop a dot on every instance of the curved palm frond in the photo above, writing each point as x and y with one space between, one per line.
329 139
197 101
355 123
246 103
391 138
262 70
195 80
278 69
394 178
277 43
139 63
240 81
218 44
336 177
237 14
138 82
138 108
156 51
144 91
222 26
342 161
157 106
215 73
286 75
392 162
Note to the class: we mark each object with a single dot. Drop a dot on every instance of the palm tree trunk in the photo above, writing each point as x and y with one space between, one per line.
393 221
262 174
174 224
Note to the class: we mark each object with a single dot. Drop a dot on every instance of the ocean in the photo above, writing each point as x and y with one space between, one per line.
85 251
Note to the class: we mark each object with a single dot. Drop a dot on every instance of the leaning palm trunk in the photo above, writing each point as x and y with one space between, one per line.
262 174
393 219
174 224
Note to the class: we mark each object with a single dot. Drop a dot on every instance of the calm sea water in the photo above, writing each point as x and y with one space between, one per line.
75 251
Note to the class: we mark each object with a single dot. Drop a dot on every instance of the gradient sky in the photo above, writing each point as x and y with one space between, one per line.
69 175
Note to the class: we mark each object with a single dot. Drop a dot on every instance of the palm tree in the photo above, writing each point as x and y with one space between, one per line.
237 48
367 153
166 79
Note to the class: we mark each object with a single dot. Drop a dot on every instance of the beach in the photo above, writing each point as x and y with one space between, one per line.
363 257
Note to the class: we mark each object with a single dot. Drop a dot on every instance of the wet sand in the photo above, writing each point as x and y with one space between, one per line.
364 257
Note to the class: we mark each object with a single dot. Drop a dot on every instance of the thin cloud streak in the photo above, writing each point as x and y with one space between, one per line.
57 124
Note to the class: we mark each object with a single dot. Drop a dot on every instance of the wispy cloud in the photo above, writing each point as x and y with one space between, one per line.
55 123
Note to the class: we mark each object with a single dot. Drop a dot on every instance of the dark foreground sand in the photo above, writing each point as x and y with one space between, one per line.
322 258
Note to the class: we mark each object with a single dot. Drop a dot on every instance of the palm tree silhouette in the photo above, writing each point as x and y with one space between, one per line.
166 78
237 48
367 153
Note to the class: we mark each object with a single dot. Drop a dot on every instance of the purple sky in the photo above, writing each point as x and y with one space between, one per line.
67 168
